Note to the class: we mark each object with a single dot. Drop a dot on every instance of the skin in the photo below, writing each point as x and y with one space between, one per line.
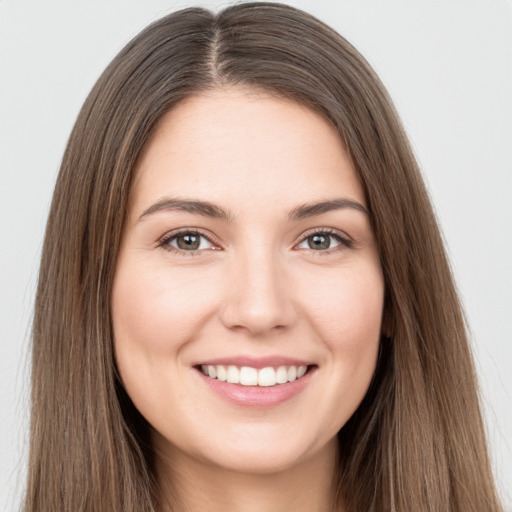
253 287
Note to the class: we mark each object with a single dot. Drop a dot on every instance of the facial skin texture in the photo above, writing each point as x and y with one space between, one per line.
254 289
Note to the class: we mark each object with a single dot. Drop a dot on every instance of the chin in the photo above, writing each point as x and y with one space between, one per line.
258 462
253 451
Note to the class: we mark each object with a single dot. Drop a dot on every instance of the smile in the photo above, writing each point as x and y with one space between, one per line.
249 376
252 382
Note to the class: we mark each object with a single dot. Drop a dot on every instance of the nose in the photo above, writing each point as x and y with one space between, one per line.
258 294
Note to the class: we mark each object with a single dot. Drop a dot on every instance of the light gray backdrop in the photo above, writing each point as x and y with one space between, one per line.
448 66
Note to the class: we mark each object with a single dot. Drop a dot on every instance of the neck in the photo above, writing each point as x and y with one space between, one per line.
190 485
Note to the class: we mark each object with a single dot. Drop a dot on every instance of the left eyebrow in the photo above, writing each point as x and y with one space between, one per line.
310 210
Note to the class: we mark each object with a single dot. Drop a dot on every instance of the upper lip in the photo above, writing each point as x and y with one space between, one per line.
255 362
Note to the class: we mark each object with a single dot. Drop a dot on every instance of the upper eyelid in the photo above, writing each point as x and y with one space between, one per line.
322 229
328 231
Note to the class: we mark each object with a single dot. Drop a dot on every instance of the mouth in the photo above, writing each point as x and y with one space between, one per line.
259 383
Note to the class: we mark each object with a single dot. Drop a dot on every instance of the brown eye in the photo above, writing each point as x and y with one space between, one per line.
319 241
187 241
323 241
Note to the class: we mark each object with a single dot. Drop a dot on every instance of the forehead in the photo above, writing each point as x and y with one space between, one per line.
240 145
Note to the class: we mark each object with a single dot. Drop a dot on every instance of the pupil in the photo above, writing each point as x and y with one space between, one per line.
319 242
188 242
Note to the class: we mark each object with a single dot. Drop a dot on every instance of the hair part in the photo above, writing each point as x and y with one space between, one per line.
414 443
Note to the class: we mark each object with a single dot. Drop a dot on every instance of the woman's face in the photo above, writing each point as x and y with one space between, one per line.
248 255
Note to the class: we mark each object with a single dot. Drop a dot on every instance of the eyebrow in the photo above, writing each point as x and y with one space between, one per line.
310 210
203 208
208 209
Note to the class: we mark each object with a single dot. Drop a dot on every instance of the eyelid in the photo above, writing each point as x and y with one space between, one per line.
165 239
341 236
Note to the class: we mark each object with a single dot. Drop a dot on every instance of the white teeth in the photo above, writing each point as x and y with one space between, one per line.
233 376
248 376
281 375
301 370
267 377
222 374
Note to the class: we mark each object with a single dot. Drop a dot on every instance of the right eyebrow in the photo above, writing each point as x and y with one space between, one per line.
204 208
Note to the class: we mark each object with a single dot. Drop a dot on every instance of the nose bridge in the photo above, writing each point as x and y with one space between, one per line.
259 298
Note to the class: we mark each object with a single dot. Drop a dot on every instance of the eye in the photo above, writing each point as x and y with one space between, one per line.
187 241
323 241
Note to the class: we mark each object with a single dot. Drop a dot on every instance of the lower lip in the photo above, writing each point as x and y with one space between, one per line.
257 396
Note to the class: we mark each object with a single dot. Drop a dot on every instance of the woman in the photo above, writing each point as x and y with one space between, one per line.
244 302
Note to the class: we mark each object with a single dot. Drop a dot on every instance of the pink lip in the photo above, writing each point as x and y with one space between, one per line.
255 362
257 396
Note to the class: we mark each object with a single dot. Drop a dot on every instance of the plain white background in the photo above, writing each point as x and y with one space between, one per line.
447 65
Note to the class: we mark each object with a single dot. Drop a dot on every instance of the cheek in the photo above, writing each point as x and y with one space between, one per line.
351 330
347 317
155 314
156 311
348 312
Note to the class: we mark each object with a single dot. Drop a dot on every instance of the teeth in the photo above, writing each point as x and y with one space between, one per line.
282 375
233 375
301 370
247 376
267 377
222 374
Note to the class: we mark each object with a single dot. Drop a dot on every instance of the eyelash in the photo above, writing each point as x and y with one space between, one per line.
165 242
343 240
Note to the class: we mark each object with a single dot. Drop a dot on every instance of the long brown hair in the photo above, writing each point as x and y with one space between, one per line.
416 443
